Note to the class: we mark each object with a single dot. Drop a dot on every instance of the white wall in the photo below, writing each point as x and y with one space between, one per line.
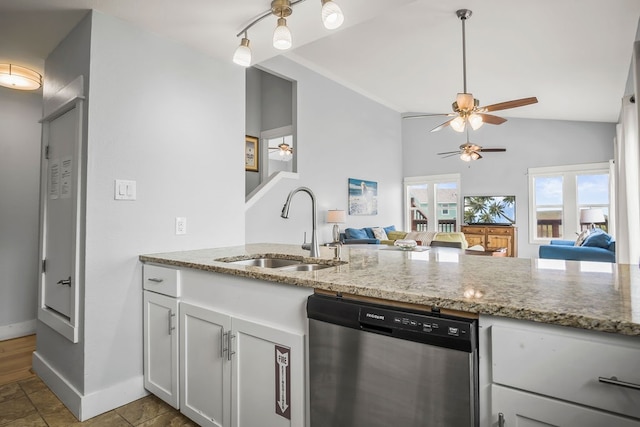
341 135
171 129
529 143
19 189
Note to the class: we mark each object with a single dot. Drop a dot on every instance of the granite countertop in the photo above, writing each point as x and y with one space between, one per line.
589 295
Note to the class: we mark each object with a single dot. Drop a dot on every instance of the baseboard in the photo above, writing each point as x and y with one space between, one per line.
93 404
17 330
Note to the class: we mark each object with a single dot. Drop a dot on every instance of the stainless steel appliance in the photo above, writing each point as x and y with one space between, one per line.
380 366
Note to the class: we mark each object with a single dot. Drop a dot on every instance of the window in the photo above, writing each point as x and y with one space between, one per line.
432 197
559 198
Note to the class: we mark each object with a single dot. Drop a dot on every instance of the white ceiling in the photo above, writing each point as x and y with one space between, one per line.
574 55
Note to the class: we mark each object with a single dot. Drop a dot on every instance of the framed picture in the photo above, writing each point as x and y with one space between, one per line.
363 197
251 153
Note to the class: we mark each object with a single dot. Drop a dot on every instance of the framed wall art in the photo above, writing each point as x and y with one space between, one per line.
251 148
363 197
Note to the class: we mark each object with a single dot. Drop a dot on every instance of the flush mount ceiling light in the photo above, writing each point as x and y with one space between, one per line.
332 18
17 77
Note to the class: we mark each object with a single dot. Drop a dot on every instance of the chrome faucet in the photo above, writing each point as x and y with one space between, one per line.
313 247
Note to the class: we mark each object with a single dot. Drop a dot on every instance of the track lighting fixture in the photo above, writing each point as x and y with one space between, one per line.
332 18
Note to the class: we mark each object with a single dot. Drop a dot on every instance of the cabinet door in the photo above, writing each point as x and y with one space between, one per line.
475 239
161 347
495 241
204 369
522 409
268 376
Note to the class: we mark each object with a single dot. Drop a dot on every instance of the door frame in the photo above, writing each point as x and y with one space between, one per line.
73 100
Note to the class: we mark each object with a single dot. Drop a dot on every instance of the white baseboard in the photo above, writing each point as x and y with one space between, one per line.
17 330
93 404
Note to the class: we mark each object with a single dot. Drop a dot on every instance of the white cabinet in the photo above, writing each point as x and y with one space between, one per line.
523 409
544 374
240 373
161 346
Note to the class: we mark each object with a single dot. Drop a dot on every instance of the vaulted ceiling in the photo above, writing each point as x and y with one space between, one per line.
574 55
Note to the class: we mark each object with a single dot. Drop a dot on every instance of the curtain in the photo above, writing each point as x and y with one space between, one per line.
627 177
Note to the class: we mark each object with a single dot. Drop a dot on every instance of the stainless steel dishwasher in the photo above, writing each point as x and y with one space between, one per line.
379 366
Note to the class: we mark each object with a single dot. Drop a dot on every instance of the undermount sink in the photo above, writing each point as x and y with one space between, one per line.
283 264
304 267
266 262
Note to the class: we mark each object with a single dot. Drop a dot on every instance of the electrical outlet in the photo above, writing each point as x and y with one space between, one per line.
181 225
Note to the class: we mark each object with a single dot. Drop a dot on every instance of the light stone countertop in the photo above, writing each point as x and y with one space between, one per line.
588 295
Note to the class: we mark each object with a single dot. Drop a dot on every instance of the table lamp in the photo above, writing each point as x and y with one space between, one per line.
335 217
591 216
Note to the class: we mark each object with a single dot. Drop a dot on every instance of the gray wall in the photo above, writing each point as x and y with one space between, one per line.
19 190
172 130
529 143
341 135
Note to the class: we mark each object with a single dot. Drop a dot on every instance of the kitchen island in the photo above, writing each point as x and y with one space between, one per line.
564 313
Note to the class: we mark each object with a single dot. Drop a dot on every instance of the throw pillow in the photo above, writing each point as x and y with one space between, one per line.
582 237
425 237
598 239
355 233
395 235
389 228
379 233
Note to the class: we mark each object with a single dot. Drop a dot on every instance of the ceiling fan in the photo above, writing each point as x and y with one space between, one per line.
469 151
466 108
285 151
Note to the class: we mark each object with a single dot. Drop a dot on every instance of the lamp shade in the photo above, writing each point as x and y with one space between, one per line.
332 16
242 56
282 35
17 77
591 216
336 216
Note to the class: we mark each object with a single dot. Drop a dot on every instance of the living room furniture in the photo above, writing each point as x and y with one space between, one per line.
566 249
365 235
492 238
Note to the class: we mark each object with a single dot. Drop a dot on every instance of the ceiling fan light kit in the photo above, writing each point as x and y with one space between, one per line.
332 18
466 108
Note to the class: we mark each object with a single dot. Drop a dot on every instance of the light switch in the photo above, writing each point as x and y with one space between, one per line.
125 190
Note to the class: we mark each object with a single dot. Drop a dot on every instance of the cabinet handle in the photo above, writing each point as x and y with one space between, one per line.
616 381
230 352
500 419
223 338
171 327
155 280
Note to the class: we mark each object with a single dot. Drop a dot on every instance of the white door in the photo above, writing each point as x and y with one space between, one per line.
161 346
521 409
60 235
268 376
205 370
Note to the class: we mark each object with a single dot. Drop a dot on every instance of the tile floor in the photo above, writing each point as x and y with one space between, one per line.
30 403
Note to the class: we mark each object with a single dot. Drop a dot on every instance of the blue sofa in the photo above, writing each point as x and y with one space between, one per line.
598 246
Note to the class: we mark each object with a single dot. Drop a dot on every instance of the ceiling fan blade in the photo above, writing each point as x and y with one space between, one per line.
419 116
491 119
448 152
454 153
510 104
442 126
492 150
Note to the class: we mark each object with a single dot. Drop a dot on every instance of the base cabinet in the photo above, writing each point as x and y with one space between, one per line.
239 373
161 346
517 408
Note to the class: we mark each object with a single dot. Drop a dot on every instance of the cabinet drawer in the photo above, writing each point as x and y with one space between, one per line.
500 230
473 230
567 364
162 280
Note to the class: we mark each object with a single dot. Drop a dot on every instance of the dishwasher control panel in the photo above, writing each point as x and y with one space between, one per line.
392 320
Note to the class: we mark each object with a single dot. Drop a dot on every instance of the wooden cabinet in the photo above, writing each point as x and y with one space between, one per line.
552 375
236 372
492 237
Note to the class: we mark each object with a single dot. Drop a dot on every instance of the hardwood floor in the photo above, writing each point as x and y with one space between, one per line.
15 359
25 401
